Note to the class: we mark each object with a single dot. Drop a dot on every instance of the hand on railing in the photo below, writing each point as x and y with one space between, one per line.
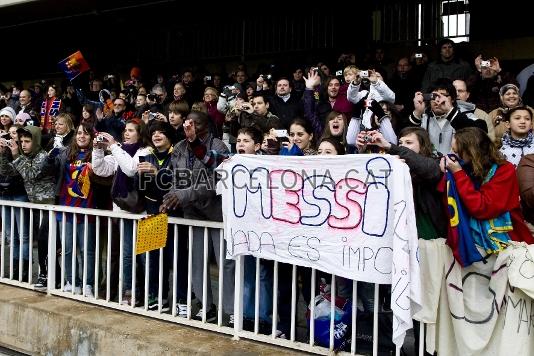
170 201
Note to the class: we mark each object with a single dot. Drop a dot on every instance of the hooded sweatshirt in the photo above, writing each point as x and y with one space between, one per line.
38 176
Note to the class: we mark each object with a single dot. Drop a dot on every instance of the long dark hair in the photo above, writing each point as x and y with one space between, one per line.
327 133
307 127
474 145
425 146
73 149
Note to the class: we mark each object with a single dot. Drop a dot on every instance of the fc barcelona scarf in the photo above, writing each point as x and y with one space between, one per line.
48 112
466 232
459 237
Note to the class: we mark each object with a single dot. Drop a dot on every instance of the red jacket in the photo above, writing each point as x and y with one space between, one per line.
495 197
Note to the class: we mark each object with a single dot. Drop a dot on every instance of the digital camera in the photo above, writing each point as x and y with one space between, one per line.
364 74
485 64
429 96
207 77
153 97
152 115
339 73
99 138
418 55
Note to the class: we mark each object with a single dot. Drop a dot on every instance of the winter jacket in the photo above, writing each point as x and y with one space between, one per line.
494 198
196 193
525 174
426 174
37 175
441 137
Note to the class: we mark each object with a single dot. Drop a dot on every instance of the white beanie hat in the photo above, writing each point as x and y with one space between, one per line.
9 112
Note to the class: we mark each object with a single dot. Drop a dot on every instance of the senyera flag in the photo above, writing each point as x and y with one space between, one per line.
74 65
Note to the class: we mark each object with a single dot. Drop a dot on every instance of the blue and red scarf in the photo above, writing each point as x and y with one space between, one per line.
466 232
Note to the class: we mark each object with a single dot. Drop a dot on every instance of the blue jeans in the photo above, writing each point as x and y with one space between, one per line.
249 288
127 245
18 225
198 268
91 242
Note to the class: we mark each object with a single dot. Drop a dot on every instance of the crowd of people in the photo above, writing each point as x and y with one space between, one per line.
92 147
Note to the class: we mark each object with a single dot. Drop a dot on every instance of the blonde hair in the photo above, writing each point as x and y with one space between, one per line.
68 118
350 68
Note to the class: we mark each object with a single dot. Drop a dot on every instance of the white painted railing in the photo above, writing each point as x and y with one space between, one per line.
32 215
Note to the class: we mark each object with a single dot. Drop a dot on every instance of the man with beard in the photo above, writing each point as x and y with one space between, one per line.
329 99
440 116
284 103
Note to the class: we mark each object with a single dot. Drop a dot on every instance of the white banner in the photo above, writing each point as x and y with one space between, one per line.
350 215
484 309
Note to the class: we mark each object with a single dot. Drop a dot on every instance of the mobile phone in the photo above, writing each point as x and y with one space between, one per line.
142 159
281 133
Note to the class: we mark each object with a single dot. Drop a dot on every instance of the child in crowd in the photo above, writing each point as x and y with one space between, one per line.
518 140
178 111
74 189
122 163
152 168
486 182
336 127
28 161
248 142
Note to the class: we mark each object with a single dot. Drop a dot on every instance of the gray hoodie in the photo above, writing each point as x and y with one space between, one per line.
39 180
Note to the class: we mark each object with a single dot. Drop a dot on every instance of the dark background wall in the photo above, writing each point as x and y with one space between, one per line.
167 35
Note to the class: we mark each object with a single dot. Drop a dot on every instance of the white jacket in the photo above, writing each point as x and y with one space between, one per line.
378 91
105 166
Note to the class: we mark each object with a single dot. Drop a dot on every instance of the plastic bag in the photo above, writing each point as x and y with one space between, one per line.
342 320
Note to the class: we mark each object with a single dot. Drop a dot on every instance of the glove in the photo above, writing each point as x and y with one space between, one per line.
377 110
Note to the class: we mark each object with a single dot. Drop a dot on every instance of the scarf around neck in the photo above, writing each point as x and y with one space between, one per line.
508 140
121 184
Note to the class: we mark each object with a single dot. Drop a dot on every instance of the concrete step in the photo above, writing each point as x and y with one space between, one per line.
35 323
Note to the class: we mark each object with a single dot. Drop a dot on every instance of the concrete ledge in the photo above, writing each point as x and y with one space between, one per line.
35 323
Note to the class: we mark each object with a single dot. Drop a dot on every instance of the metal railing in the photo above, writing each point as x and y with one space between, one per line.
101 228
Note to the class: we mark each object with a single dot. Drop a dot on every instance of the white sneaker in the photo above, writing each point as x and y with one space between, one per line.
181 310
68 289
89 291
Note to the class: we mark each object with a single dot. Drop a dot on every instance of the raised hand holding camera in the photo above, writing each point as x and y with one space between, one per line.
247 107
419 104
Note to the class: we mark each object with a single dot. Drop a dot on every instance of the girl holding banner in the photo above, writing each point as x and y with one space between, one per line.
488 189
